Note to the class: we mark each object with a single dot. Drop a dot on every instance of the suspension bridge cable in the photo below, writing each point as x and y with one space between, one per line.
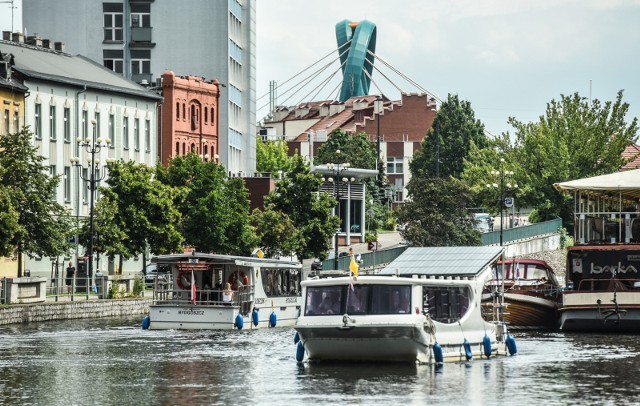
314 74
304 70
323 84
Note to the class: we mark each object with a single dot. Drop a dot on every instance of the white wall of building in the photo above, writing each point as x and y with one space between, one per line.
62 114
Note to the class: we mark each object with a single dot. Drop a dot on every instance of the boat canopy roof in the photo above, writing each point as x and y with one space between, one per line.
443 261
226 260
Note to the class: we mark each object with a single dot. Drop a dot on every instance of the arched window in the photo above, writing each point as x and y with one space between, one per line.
184 151
177 110
206 115
206 150
177 148
193 147
184 111
212 116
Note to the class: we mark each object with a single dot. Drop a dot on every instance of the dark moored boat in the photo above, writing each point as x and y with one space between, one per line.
532 293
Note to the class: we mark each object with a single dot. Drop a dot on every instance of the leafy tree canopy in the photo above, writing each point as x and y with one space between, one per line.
34 221
215 209
278 234
298 196
357 150
272 156
454 130
437 213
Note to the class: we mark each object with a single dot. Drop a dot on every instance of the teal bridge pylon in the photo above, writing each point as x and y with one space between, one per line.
357 64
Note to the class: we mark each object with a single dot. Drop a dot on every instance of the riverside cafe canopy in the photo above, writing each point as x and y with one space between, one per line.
619 185
610 194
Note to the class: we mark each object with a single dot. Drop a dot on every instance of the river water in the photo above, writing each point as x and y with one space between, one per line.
115 362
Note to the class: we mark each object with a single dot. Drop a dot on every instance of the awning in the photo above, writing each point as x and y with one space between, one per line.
625 184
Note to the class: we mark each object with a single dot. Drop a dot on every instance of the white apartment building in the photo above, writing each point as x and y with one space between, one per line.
65 93
141 39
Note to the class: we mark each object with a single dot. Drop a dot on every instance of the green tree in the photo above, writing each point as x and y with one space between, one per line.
355 149
272 156
437 213
573 140
215 209
278 234
298 196
43 225
135 212
454 130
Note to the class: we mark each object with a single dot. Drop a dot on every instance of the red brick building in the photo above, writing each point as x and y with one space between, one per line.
190 117
403 125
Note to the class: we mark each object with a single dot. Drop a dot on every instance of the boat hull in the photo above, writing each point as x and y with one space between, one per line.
528 312
359 341
601 312
184 317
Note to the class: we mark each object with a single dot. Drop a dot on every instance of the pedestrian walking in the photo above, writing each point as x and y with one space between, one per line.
71 271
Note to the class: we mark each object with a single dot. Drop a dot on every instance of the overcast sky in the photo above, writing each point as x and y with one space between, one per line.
508 58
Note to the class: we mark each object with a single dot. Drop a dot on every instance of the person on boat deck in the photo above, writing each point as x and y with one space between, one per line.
217 290
227 294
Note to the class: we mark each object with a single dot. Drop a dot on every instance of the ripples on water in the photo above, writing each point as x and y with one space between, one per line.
114 362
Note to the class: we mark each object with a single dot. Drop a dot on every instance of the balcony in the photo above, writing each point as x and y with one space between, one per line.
141 36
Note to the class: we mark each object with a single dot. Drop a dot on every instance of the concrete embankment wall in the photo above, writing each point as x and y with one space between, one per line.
521 248
34 313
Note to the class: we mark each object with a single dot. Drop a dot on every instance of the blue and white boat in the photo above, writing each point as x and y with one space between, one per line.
425 306
265 293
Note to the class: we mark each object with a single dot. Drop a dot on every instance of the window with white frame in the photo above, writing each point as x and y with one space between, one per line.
112 130
147 135
67 124
6 121
113 59
85 125
37 127
397 190
140 62
125 132
52 123
140 15
113 21
85 185
67 184
395 165
136 133
16 121
97 118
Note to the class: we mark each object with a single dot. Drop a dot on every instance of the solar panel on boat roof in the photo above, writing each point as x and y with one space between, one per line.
447 261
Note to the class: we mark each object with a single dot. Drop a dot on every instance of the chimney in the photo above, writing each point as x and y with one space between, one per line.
6 35
46 43
18 37
324 110
59 46
34 40
336 108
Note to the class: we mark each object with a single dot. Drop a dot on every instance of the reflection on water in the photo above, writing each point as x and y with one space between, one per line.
115 362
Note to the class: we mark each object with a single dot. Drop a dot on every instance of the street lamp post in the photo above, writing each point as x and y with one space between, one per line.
337 169
93 147
502 188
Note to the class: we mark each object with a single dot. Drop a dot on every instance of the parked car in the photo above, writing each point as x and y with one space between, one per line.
151 271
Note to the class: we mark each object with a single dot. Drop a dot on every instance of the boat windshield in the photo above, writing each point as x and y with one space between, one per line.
362 299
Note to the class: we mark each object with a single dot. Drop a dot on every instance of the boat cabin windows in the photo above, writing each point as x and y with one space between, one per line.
446 304
280 282
363 299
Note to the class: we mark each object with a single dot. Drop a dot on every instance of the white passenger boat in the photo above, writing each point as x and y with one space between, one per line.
264 292
425 306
